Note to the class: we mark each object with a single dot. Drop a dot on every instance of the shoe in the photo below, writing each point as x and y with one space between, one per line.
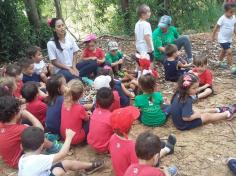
223 65
231 115
96 165
56 147
172 171
52 137
87 81
171 143
223 109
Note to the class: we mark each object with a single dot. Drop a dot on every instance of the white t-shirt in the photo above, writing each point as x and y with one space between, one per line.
66 56
226 32
35 165
38 67
142 28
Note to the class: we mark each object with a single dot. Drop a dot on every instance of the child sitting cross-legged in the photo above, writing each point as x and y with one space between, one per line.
100 130
121 147
183 116
35 163
148 151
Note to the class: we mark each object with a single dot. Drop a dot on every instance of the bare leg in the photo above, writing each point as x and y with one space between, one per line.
229 54
75 165
213 117
222 54
58 171
205 93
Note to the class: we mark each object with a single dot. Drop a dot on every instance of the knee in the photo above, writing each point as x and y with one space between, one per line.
57 171
208 90
185 38
229 51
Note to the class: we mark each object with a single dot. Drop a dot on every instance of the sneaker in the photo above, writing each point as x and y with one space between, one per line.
223 109
223 65
171 143
172 171
52 137
96 165
56 147
87 81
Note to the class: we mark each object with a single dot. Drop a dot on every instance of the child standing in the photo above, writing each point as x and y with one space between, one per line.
143 32
150 102
100 130
226 27
183 116
49 165
174 68
73 114
205 77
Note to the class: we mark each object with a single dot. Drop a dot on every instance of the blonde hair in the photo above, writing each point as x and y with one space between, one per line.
73 92
200 61
8 84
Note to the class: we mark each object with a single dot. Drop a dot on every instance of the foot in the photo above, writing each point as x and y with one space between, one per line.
171 143
230 114
223 109
96 165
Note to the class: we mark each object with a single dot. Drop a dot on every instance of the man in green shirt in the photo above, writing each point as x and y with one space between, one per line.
166 34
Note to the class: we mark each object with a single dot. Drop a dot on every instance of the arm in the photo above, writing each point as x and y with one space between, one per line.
35 122
215 30
147 38
181 65
162 49
127 93
203 87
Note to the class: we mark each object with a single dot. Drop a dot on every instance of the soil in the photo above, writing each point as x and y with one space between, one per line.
199 152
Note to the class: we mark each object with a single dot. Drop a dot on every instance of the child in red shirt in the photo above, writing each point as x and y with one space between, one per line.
100 129
205 77
73 114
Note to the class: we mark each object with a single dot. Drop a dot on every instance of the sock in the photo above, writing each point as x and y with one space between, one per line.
166 149
217 110
229 114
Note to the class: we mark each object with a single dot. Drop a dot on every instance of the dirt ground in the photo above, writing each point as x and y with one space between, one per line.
199 152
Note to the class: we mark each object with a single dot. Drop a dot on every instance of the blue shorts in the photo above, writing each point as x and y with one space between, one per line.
192 124
225 46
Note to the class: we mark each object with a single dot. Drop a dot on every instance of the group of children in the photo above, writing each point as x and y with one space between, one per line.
39 109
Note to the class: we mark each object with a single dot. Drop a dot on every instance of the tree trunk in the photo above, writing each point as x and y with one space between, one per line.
57 4
32 13
166 4
126 15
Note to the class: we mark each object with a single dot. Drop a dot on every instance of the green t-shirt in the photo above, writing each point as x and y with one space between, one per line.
161 39
111 59
151 113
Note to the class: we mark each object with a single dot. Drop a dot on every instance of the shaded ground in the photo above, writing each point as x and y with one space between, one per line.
199 152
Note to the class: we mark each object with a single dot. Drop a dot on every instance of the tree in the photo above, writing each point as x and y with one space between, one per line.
57 4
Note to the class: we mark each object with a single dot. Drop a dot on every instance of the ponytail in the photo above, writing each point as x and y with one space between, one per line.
52 24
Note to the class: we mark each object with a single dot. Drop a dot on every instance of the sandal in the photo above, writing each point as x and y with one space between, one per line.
96 165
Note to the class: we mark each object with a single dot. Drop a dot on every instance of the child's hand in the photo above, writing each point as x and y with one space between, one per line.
120 61
70 133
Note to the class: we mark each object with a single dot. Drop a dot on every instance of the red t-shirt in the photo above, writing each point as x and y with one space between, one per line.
100 130
38 109
205 78
143 170
98 53
19 86
10 143
72 118
116 102
122 154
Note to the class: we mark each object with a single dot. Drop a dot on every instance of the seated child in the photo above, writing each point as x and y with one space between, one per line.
106 81
122 149
183 116
92 52
205 77
100 130
14 71
174 68
34 102
35 163
55 87
114 56
40 67
150 102
7 86
73 114
148 151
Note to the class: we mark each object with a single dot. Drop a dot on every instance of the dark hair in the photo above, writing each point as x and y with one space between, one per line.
26 62
31 51
147 83
9 107
183 90
104 97
142 9
55 37
170 49
13 70
228 7
32 138
29 91
200 61
147 145
53 86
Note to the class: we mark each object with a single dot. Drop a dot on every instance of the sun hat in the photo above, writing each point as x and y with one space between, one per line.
112 45
90 37
102 81
165 21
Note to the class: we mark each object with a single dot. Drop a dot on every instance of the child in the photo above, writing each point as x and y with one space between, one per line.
7 86
205 77
183 116
148 151
40 67
143 32
150 102
174 68
226 27
100 130
34 103
92 52
55 87
73 114
14 71
35 163
114 57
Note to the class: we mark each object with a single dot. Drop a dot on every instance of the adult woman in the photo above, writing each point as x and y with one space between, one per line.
62 51
166 34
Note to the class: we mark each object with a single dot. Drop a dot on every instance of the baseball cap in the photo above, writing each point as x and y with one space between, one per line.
90 37
165 21
102 81
112 45
123 118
